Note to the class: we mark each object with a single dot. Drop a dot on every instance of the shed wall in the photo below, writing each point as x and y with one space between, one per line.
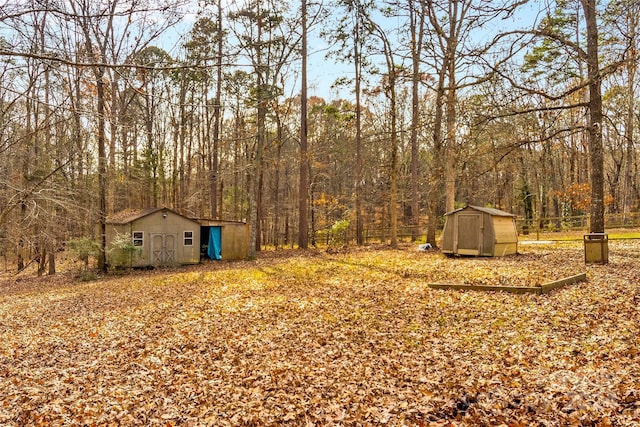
163 240
448 234
506 240
235 241
502 249
234 238
505 230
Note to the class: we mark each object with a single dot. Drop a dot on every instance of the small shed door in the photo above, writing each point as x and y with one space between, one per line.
163 248
469 232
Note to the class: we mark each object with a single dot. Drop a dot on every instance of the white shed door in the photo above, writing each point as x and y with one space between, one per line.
163 248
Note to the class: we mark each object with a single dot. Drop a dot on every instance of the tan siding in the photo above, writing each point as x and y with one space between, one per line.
235 241
505 230
234 238
502 249
448 234
166 229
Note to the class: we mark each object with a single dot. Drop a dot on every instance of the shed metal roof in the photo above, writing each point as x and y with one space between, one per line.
490 211
214 222
129 215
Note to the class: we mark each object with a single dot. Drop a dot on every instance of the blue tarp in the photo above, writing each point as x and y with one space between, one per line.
214 250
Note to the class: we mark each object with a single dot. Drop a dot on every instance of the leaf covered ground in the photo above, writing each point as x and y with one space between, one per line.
312 338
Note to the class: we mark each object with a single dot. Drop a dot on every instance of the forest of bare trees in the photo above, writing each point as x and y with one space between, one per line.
529 108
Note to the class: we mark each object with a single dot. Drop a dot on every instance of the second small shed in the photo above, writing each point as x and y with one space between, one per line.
479 231
224 239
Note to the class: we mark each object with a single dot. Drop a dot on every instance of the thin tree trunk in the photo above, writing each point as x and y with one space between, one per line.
112 167
182 142
303 187
629 122
215 209
437 167
393 202
359 187
416 49
255 204
277 202
102 170
450 152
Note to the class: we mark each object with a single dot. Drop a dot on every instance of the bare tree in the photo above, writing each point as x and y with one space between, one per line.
107 35
417 16
265 37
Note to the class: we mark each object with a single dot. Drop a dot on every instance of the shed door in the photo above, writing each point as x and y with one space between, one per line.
214 249
163 248
469 232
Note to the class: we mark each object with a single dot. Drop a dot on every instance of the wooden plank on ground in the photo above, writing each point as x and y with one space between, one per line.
512 289
548 287
543 289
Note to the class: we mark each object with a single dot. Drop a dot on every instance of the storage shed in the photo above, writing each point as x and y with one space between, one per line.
160 235
227 240
479 231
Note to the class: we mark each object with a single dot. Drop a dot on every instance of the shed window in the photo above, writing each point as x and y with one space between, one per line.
138 238
188 238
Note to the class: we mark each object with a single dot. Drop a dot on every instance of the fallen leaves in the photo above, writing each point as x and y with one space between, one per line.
343 339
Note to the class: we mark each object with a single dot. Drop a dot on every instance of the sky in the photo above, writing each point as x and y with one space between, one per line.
324 71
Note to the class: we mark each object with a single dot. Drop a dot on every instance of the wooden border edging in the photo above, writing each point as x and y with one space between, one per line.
543 289
512 289
548 287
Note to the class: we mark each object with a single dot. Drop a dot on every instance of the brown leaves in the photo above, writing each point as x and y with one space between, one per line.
349 339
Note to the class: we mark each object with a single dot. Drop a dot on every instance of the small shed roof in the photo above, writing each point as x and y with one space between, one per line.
490 211
214 222
129 215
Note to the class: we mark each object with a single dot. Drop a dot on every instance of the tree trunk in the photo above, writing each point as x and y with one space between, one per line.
359 187
629 121
303 187
450 151
102 169
437 166
595 119
277 202
215 209
417 32
52 261
112 197
393 202
99 72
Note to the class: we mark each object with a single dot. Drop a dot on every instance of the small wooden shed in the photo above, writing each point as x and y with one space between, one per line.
228 240
479 231
161 235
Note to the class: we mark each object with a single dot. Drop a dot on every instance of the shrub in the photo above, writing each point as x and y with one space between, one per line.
339 233
83 249
123 251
